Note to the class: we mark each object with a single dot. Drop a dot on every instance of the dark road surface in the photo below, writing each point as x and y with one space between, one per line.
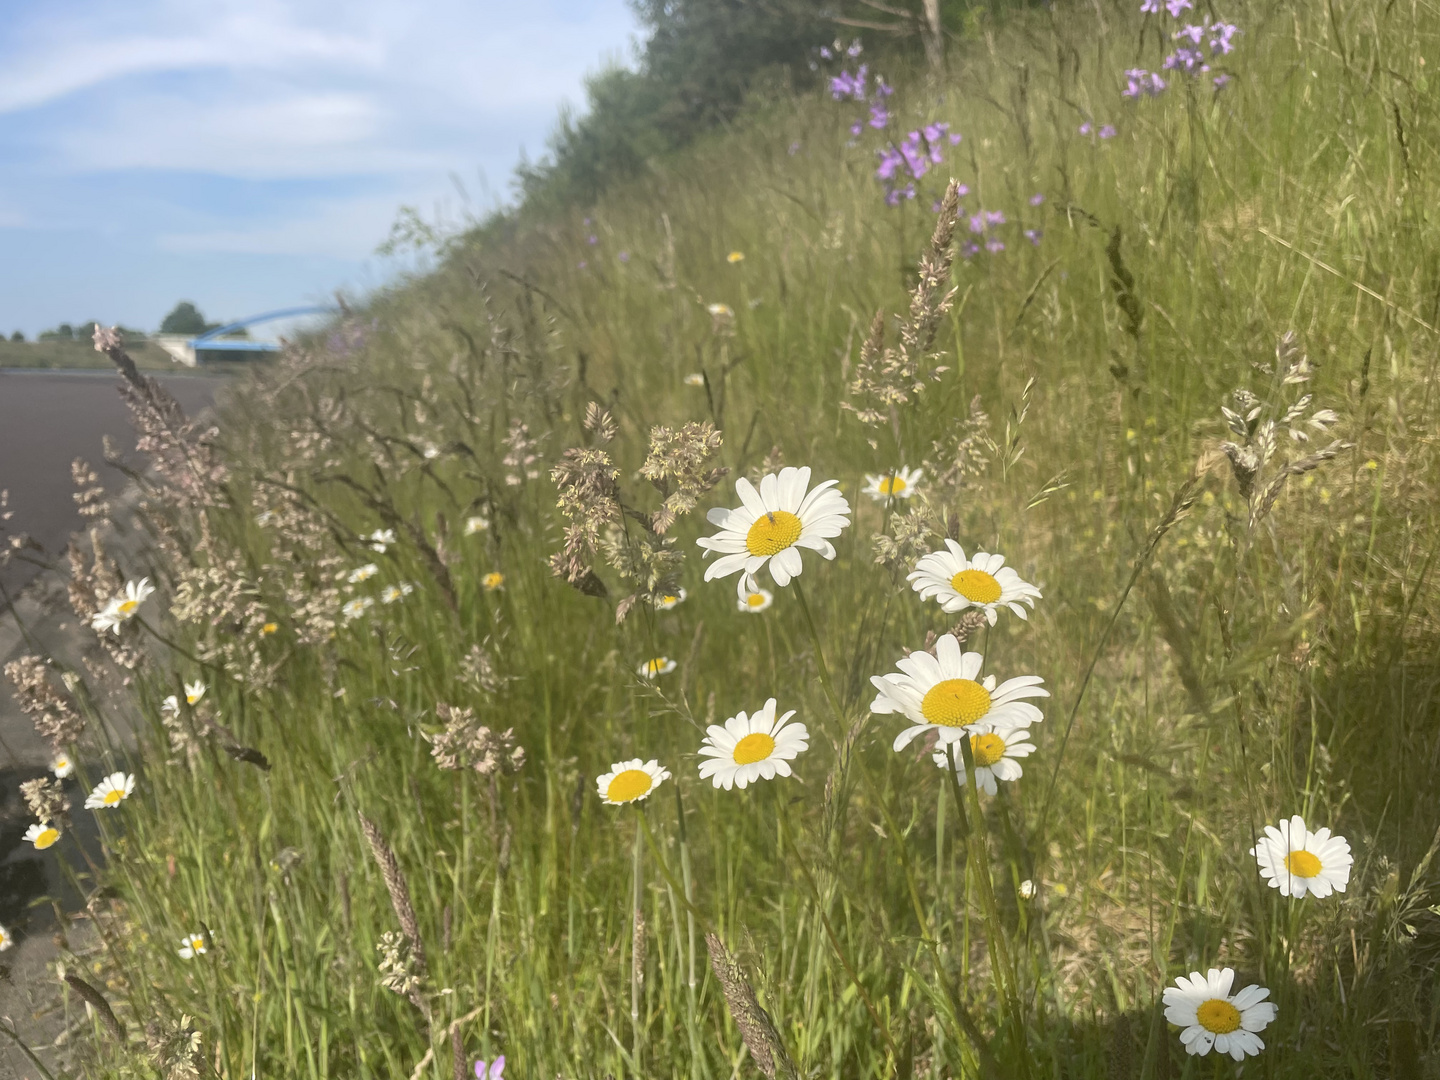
49 418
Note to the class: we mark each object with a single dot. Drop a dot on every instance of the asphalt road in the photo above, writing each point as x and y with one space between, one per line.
47 420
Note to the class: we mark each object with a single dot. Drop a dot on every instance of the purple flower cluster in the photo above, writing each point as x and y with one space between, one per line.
1107 131
1144 82
1190 56
900 166
845 85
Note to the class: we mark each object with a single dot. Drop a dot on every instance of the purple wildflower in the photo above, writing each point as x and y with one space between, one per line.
962 190
1033 235
1036 199
955 139
846 85
1150 7
994 217
890 160
879 115
883 88
977 222
855 49
1108 131
935 206
856 128
592 240
1175 7
1085 128
825 53
1221 43
496 1071
1191 31
1220 81
994 246
969 250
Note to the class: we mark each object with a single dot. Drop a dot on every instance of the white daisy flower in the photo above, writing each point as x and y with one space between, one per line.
695 378
120 609
751 748
42 835
5 939
381 539
751 599
772 524
391 593
363 573
1296 861
62 766
1211 1017
942 693
995 750
984 582
719 311
630 781
191 946
897 485
194 691
170 706
431 451
493 580
475 525
111 791
653 669
353 609
665 603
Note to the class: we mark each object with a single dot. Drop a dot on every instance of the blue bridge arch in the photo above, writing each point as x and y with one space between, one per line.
214 341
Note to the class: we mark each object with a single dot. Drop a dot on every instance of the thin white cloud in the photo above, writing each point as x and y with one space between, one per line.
262 37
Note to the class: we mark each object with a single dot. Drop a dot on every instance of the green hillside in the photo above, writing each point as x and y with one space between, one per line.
1177 364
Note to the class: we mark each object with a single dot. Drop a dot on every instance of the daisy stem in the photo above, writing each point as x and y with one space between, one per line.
894 829
979 859
636 917
820 665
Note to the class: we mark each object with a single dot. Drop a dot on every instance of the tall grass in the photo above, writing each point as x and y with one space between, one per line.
1236 668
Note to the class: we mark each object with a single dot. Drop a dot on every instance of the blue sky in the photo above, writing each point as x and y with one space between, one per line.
251 154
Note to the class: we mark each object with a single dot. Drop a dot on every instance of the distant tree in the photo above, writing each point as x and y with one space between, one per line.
17 337
63 332
185 319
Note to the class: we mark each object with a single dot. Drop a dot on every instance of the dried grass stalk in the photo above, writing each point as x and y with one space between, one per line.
399 891
755 1025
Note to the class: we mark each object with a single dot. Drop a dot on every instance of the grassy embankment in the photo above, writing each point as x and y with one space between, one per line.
68 355
1269 660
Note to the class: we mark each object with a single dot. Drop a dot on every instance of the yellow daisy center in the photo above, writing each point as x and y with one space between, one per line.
755 599
753 748
269 628
493 581
955 703
46 838
127 606
772 533
1302 864
190 699
1218 1016
891 485
976 586
629 786
670 600
987 749
113 796
654 666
